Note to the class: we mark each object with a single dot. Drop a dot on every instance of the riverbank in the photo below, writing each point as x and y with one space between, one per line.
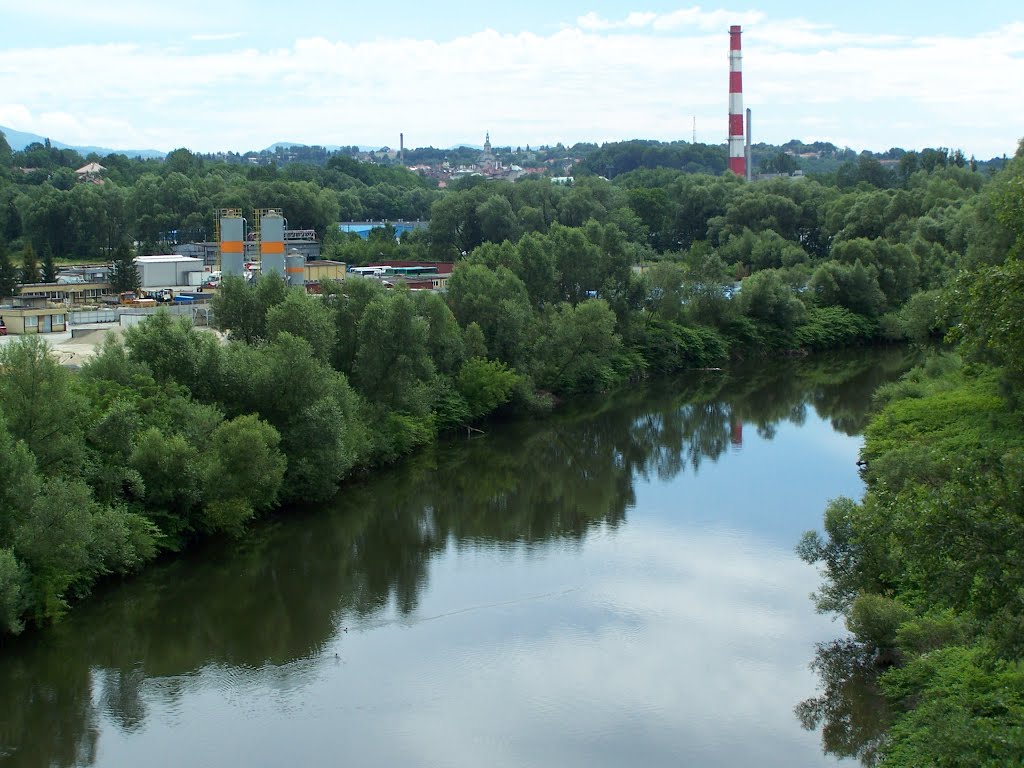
927 572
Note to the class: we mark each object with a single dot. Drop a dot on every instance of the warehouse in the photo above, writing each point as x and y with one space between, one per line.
166 271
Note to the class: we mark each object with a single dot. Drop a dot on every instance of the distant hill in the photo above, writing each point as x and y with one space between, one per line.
21 139
329 147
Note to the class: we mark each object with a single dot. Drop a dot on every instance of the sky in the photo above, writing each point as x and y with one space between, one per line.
236 75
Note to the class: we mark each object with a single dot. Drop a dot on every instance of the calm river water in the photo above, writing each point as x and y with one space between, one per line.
614 586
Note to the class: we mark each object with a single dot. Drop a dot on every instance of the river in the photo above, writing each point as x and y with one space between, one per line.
615 585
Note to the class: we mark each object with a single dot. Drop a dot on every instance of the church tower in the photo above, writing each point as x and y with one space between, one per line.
487 143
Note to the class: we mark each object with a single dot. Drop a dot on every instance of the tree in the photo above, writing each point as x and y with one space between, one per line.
172 474
392 364
537 270
852 286
664 291
991 302
485 385
41 404
497 301
497 219
349 300
13 585
578 348
176 353
312 406
124 275
6 156
306 317
444 336
577 261
782 162
766 299
29 265
49 273
244 473
241 309
8 273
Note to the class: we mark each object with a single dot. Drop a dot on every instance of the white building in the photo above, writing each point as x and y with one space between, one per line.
166 271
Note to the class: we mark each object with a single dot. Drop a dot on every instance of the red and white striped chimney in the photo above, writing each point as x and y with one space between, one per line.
737 162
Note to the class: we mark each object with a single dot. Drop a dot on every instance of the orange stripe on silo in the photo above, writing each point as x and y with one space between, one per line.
231 246
277 247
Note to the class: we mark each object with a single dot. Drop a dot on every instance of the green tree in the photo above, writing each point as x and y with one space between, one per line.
241 309
41 404
444 336
497 219
497 301
54 541
172 475
244 473
124 275
175 352
13 584
306 317
49 270
314 409
485 385
990 301
852 286
770 303
349 300
393 366
30 265
537 270
664 291
6 155
8 273
578 348
707 287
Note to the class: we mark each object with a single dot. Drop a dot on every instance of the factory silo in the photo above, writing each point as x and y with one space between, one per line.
232 242
272 243
295 268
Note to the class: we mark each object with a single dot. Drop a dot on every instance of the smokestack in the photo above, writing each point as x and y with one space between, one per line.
401 147
747 156
737 163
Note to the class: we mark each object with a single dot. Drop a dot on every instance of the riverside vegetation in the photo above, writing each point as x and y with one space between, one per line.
927 569
171 435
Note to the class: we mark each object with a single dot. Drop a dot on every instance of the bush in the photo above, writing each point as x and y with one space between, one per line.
834 327
875 619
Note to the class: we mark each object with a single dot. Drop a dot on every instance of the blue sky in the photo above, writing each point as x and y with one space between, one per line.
237 75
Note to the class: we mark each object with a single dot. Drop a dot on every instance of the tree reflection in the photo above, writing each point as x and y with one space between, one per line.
247 610
851 711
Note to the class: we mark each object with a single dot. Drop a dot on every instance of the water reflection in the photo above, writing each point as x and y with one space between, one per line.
261 618
851 710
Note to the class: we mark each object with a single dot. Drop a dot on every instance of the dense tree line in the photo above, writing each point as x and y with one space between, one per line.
927 568
156 203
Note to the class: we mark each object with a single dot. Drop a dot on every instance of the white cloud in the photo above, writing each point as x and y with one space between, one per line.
594 23
706 21
216 36
643 75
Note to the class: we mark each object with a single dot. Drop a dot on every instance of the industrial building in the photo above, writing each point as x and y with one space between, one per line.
315 271
31 320
167 271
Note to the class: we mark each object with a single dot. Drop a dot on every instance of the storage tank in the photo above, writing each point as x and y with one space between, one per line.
232 246
295 268
272 244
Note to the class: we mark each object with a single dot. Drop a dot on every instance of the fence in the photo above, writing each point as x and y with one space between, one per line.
198 314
